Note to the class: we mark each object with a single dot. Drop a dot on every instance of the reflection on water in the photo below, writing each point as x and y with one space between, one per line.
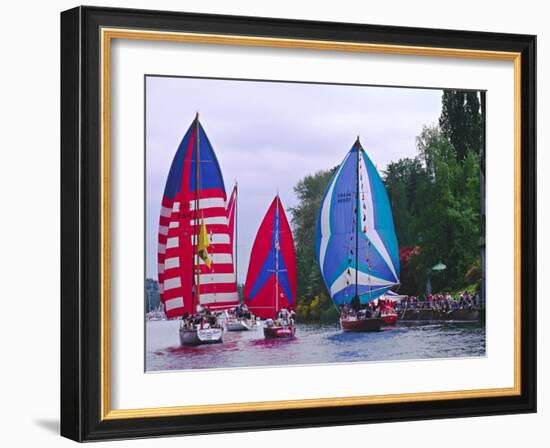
314 344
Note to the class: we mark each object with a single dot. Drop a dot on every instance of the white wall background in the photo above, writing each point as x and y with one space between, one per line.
29 236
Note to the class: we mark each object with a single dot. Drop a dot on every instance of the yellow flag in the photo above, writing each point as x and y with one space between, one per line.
203 244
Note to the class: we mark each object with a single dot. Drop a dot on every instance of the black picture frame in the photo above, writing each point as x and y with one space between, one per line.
81 209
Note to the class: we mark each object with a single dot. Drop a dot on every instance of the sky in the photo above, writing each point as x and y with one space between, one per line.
269 135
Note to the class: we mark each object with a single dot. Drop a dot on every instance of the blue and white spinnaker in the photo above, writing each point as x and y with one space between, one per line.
356 245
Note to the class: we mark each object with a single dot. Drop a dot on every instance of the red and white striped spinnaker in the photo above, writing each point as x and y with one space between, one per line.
186 204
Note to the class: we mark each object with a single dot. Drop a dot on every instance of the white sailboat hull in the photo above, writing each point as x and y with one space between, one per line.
240 325
191 337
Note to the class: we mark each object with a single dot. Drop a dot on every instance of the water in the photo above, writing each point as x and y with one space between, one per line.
314 344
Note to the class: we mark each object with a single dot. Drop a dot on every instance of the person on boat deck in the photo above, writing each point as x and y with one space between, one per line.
185 319
199 308
284 314
245 312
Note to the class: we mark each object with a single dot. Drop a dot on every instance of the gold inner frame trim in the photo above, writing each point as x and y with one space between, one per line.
107 35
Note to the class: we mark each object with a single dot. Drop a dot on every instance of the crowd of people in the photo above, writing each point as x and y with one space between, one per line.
240 312
203 318
372 309
441 302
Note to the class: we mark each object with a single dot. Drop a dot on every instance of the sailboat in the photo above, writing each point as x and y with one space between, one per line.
356 245
195 260
239 318
270 287
388 314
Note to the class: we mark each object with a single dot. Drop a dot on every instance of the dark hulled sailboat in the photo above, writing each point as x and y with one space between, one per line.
356 245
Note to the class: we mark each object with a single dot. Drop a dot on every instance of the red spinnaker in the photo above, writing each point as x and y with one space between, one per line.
271 277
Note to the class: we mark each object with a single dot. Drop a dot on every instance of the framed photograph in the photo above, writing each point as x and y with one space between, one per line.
273 223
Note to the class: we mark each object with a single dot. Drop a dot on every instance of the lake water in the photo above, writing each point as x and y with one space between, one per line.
314 344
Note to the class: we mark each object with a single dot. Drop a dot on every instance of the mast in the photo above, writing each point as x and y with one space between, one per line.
195 254
277 244
357 207
359 221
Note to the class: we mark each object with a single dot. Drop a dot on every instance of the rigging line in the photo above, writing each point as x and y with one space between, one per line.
356 223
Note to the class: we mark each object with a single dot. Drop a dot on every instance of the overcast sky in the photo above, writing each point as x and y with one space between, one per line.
269 135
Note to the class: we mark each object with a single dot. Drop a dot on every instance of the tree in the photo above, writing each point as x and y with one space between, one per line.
429 136
435 201
461 121
401 179
447 218
310 285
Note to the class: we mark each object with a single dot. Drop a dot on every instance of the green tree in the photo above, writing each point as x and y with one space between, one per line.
401 179
429 136
435 201
447 219
309 191
313 298
461 121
